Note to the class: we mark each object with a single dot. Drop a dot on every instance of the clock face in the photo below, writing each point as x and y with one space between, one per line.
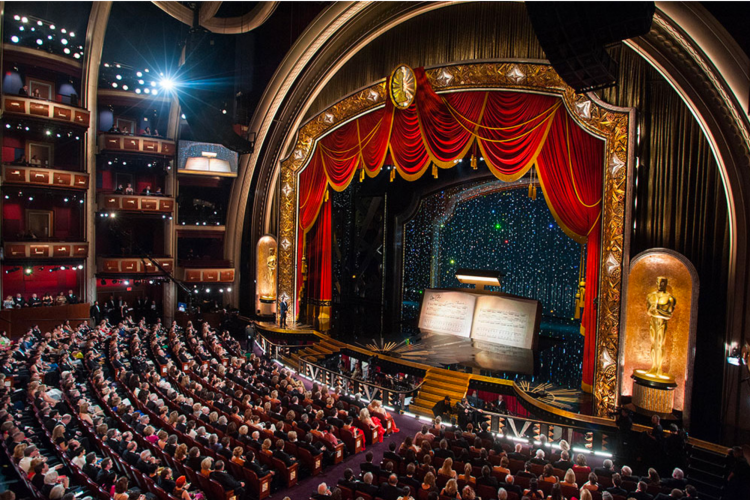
403 87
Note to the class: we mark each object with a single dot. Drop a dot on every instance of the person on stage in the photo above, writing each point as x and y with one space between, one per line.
442 408
283 308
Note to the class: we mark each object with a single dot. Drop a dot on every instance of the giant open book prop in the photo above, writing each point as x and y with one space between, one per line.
488 317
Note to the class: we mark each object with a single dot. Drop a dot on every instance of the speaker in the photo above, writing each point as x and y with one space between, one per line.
575 36
208 62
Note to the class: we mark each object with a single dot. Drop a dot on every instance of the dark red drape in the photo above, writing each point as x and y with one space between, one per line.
514 131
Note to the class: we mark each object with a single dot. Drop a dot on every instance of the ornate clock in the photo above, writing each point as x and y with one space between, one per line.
403 87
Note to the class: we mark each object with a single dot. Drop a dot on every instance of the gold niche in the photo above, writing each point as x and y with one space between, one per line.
615 125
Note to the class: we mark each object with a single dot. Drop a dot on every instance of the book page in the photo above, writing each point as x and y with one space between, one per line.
447 312
504 320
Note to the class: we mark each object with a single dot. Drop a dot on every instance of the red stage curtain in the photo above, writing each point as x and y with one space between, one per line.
513 131
570 171
320 278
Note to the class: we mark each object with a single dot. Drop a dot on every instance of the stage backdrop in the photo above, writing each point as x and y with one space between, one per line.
512 131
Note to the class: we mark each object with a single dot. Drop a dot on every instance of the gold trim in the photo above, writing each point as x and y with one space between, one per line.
601 120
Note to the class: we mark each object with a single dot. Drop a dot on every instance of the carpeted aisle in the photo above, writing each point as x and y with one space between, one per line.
408 426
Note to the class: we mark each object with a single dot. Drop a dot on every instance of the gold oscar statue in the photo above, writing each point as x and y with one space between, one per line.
271 274
661 306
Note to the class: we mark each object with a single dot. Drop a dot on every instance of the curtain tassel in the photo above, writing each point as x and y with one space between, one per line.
581 291
434 171
326 197
361 174
393 174
474 161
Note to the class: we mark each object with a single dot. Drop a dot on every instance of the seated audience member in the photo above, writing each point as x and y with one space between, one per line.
323 492
592 484
580 465
606 470
227 481
487 479
564 463
616 488
677 481
366 485
451 490
533 492
390 490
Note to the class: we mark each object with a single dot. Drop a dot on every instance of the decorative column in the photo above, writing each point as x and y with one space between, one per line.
92 57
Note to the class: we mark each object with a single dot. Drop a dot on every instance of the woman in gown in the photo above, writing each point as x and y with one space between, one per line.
377 407
365 417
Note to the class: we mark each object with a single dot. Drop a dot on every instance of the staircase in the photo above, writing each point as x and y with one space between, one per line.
439 383
321 349
707 472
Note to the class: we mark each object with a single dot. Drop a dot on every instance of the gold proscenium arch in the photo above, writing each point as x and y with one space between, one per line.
613 124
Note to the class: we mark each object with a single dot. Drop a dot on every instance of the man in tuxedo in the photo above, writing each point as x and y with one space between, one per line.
641 492
95 313
409 478
367 465
487 479
677 481
282 455
510 487
564 463
366 485
442 408
390 490
255 466
34 301
499 406
130 455
19 301
106 476
226 481
391 453
349 481
445 452
72 298
517 454
616 488
606 470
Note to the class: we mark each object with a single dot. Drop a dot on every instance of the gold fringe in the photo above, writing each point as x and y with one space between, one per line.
393 175
361 174
474 161
434 171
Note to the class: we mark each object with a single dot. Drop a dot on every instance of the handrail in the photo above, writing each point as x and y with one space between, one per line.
390 397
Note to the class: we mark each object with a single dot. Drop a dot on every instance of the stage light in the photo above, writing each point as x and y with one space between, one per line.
81 202
24 19
14 39
479 277
150 282
148 91
223 111
48 132
137 91
80 267
119 77
7 125
126 282
52 26
64 41
28 271
31 198
39 41
17 17
114 84
39 23
154 92
196 291
141 82
113 215
124 87
77 55
139 74
63 30
208 290
229 289
73 35
49 37
62 268
20 28
65 200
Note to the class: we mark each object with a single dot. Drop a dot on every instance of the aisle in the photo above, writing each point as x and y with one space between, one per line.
408 427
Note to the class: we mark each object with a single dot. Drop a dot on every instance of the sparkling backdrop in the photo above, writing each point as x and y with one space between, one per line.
502 230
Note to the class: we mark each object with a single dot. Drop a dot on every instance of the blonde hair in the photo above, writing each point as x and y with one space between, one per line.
447 466
451 487
570 476
586 494
363 414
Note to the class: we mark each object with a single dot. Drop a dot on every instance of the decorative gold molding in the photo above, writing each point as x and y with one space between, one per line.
610 123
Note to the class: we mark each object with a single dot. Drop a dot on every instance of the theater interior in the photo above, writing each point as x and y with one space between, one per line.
375 250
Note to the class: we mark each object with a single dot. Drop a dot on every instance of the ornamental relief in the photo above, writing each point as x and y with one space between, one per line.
612 124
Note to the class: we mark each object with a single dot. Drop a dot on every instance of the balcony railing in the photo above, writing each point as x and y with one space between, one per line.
133 265
39 250
45 177
135 203
212 275
136 144
40 108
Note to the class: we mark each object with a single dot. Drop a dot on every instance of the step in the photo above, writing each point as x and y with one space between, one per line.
335 342
449 376
705 488
706 476
443 388
716 467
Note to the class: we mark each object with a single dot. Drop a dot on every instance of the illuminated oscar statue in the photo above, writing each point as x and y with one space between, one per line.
661 306
271 273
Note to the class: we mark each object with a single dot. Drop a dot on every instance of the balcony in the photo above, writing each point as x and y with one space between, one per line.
135 203
212 275
136 144
45 250
132 265
45 177
39 108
